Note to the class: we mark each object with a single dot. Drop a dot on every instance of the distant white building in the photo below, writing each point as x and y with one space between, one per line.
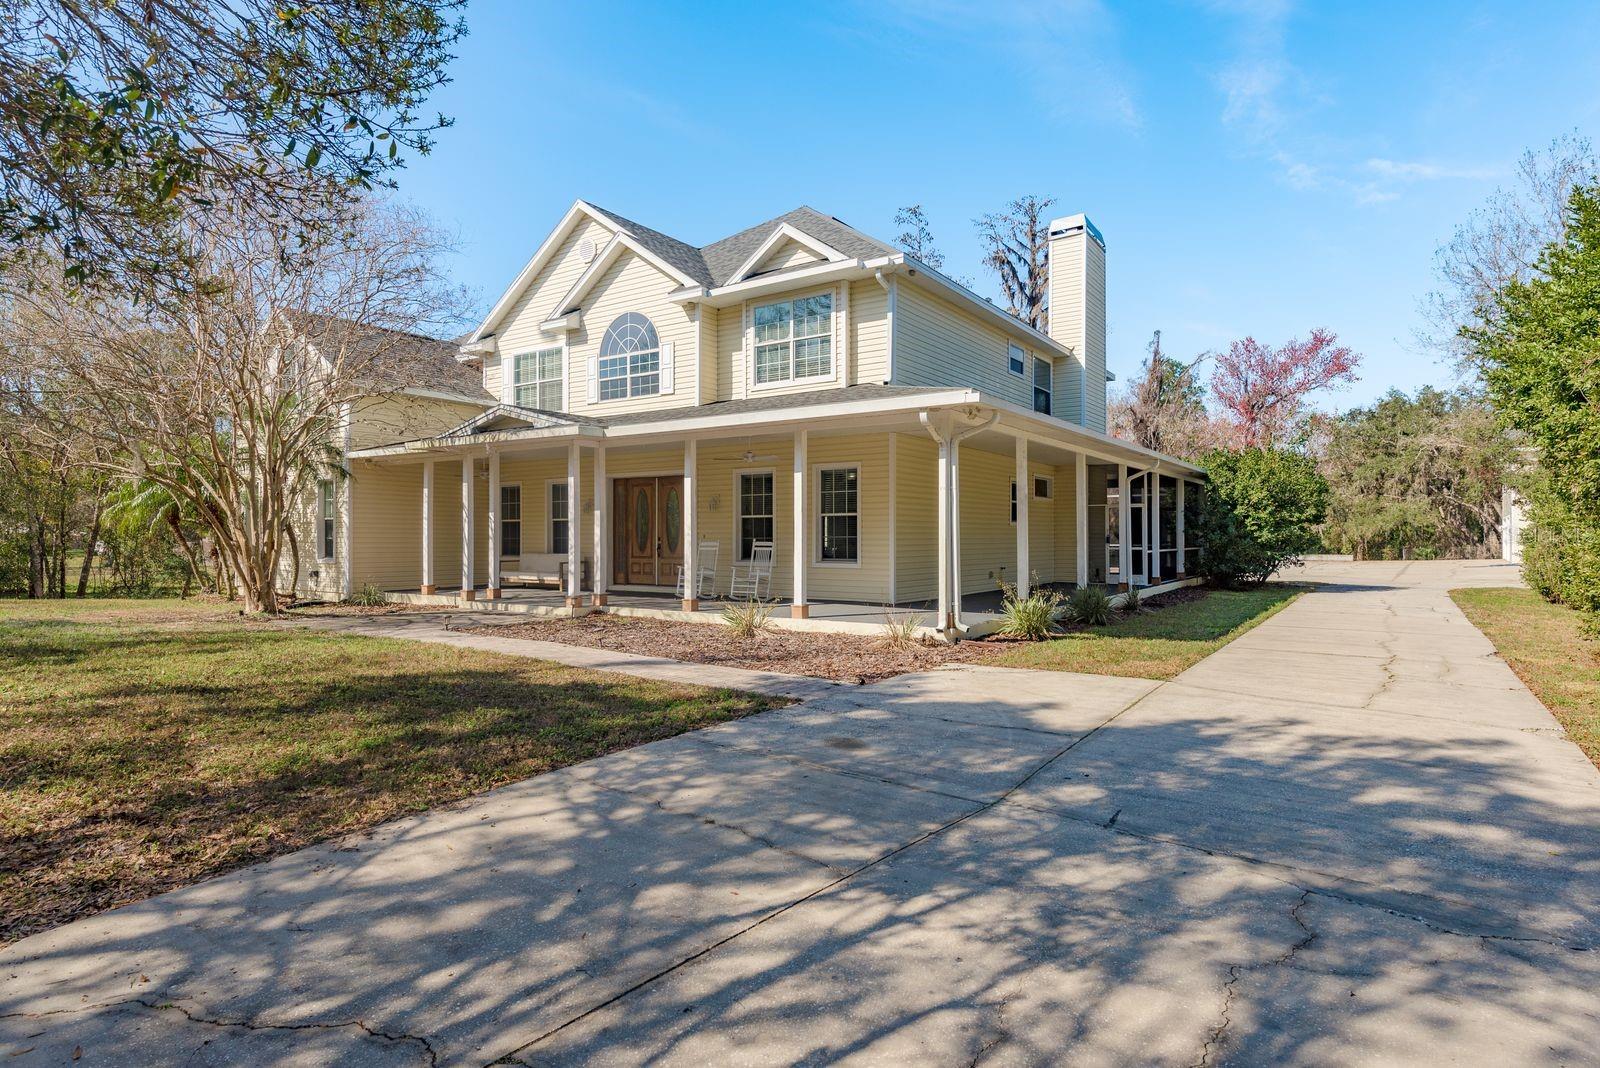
1513 519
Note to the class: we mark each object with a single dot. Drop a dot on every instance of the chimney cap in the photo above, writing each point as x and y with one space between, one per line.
1069 224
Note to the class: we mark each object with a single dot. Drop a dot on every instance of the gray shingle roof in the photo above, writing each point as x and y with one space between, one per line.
393 360
715 264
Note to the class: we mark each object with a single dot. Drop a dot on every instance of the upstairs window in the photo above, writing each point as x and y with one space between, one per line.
630 359
536 380
794 339
1041 385
1017 360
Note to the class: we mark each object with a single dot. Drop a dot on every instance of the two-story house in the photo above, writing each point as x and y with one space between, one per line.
648 405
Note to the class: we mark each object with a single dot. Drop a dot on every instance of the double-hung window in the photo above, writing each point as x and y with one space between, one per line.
1041 385
755 510
560 519
837 503
794 339
327 516
511 520
536 380
630 359
1016 360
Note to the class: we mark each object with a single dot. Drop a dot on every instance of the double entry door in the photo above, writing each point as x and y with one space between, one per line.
646 530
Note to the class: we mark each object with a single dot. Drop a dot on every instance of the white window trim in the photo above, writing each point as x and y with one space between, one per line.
550 517
738 510
521 521
1047 480
814 508
538 350
322 537
1013 349
750 342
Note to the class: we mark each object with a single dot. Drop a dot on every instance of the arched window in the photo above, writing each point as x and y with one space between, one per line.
630 358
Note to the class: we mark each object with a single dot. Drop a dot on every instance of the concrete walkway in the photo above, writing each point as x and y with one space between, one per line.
1351 837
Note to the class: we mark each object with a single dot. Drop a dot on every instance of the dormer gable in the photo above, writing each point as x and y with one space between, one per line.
785 248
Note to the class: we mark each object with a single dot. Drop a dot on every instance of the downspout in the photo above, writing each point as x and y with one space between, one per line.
890 288
951 485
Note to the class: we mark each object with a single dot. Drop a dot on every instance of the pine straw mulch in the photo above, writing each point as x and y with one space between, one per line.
840 657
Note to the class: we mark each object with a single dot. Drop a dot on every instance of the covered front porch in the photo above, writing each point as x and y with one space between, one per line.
916 512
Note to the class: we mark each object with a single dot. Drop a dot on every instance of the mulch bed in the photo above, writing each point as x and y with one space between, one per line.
840 657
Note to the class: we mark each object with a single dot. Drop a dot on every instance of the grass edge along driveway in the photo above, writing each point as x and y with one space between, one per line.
148 745
1156 643
1541 643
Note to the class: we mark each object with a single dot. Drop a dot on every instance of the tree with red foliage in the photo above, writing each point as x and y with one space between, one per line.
1263 390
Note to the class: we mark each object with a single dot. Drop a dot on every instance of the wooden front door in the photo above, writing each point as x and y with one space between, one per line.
647 530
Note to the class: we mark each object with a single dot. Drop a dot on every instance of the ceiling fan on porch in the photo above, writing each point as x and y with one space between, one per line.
749 456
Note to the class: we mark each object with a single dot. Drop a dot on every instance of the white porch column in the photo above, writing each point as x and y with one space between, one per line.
602 541
802 524
1024 485
574 541
691 526
944 535
1124 529
427 528
466 529
1081 516
493 593
1183 559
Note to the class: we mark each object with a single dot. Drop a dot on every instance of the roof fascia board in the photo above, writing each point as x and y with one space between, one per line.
736 420
735 292
1102 445
919 271
785 231
447 444
551 243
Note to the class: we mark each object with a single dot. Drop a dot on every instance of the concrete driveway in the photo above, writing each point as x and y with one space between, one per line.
1350 837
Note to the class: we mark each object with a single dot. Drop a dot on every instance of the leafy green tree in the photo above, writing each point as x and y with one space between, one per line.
1415 476
117 118
1541 354
1259 513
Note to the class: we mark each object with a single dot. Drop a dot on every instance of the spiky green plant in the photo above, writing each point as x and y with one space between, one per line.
1089 605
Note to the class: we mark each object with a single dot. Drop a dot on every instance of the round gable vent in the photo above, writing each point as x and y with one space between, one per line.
585 250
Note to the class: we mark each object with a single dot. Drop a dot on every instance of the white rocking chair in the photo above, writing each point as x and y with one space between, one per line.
752 581
705 576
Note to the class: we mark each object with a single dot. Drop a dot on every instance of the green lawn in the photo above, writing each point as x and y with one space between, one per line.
148 744
1158 643
1541 642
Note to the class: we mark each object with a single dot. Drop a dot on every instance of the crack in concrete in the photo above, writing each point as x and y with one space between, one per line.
388 1036
1002 1032
1219 1033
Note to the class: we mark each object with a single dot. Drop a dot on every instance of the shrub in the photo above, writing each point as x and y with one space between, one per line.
1029 618
1133 600
747 618
1259 513
1089 605
370 595
1561 557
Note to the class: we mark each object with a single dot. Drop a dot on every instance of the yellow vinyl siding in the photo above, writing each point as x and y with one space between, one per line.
788 254
916 530
519 330
493 380
868 333
1066 324
1066 525
938 344
400 417
631 284
1094 380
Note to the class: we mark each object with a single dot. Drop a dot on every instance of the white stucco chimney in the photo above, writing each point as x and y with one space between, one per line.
1078 318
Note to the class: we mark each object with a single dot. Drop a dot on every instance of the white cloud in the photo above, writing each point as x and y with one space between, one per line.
1408 171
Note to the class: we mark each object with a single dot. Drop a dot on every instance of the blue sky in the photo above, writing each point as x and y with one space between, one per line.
1257 168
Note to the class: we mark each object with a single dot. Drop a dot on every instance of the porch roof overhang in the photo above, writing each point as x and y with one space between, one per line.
852 408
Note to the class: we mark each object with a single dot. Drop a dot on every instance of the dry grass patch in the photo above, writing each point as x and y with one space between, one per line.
1542 644
147 745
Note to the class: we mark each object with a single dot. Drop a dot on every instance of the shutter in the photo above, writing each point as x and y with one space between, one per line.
594 379
666 367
